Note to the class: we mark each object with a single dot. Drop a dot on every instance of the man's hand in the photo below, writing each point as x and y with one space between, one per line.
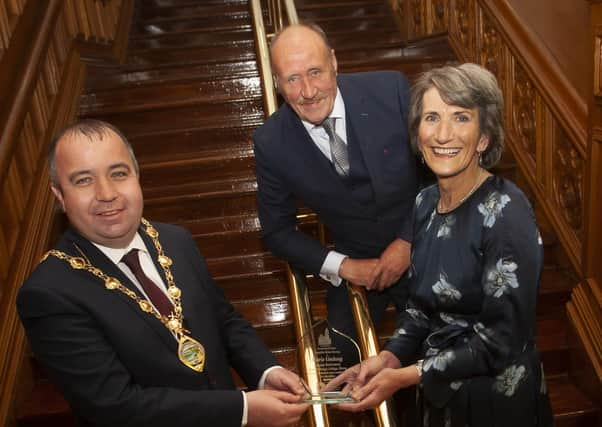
393 262
284 380
272 408
358 271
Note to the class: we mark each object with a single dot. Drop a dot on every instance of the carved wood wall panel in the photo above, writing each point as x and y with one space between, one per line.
51 65
567 180
419 18
439 16
524 122
417 9
462 30
585 308
493 53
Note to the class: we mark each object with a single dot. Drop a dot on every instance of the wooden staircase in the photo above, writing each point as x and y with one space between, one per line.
188 97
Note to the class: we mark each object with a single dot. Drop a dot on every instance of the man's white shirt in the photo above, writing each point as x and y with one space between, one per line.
330 268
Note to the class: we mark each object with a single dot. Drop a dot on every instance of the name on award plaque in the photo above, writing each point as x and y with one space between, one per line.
329 361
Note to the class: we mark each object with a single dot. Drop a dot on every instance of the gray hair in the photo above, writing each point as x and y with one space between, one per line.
468 86
90 129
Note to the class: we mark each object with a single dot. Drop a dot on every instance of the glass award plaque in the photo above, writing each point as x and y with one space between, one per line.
324 343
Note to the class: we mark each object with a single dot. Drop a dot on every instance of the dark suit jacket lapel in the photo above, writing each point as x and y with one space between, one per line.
102 262
360 121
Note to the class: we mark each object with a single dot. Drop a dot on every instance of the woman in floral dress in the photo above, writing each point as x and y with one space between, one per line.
467 337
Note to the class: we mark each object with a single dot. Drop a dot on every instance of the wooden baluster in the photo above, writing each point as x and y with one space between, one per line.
4 28
83 25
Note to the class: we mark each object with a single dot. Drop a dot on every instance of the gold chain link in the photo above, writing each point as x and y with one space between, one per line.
173 322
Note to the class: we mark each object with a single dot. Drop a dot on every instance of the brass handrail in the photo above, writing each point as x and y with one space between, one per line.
368 341
301 307
299 291
263 59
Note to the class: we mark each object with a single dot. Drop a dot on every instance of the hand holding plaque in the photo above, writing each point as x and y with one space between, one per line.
324 342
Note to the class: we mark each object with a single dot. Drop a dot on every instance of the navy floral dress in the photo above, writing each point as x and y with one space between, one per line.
474 280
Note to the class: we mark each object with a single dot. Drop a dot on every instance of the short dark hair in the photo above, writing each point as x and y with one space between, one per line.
468 86
89 128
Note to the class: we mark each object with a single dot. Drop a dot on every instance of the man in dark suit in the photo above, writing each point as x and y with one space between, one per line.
124 315
364 196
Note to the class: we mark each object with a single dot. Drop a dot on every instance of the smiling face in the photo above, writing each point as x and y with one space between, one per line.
306 73
449 137
99 189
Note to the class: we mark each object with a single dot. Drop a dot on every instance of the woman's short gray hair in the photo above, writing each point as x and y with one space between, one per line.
467 86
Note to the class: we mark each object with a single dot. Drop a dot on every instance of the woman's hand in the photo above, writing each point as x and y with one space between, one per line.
380 387
358 375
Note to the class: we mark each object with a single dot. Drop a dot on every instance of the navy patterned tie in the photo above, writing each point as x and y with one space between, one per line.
156 296
338 148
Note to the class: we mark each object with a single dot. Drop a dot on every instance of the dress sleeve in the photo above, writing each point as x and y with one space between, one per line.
512 257
413 325
411 330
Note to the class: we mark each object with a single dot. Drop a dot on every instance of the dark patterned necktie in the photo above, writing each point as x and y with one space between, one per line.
156 296
338 148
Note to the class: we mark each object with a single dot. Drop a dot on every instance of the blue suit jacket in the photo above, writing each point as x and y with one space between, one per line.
290 167
118 366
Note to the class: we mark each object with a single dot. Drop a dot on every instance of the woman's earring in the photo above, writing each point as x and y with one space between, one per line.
480 158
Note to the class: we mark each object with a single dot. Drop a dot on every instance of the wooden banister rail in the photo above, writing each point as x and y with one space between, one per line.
270 103
42 78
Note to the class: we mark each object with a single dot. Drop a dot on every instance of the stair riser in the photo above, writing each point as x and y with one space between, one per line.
354 11
236 52
374 54
180 210
237 113
149 96
359 24
234 244
120 78
192 40
240 289
232 20
187 10
577 420
411 68
220 169
275 337
223 268
188 144
349 40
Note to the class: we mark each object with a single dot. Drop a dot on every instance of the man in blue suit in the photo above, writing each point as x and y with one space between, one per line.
364 198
